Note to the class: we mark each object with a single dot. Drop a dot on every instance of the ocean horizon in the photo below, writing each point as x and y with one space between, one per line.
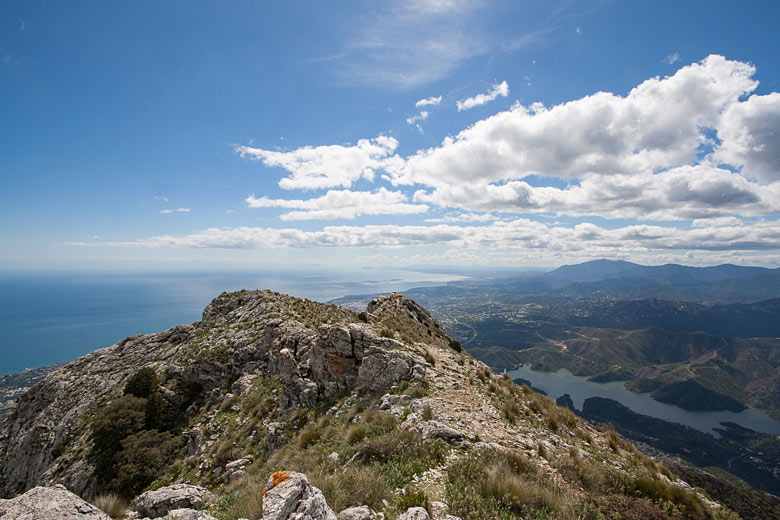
51 318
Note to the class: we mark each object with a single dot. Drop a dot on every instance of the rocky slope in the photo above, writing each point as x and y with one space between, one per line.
379 409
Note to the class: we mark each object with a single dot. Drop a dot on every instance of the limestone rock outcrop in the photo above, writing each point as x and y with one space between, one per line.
290 496
157 503
49 503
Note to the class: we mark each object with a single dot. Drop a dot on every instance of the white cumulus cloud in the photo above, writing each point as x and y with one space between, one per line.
750 132
430 101
657 125
499 89
329 166
422 116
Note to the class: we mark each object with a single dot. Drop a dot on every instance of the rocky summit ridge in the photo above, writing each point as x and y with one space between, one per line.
288 408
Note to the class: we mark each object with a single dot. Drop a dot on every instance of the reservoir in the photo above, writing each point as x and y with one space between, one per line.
555 384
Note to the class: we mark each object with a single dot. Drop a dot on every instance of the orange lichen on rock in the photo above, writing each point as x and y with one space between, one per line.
337 363
277 478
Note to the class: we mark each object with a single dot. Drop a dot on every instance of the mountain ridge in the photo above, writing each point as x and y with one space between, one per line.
266 382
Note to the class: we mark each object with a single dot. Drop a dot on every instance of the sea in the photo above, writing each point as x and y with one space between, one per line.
51 318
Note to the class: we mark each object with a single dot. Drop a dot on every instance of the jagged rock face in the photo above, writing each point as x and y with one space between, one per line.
158 503
48 503
316 351
290 496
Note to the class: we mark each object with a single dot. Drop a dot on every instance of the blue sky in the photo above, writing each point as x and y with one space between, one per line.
221 135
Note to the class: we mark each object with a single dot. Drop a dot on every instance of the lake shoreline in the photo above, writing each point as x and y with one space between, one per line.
555 384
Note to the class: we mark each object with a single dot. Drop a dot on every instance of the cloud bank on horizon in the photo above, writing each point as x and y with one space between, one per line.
696 147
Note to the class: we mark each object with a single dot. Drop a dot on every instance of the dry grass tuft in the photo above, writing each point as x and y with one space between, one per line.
510 409
111 504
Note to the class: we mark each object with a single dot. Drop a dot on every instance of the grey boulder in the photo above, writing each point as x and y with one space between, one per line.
357 513
415 513
159 502
47 503
290 496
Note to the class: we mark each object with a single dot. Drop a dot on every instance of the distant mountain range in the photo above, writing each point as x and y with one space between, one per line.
669 274
625 280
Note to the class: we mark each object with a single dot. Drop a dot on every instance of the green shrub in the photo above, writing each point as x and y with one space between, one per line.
110 426
143 458
142 383
455 345
362 316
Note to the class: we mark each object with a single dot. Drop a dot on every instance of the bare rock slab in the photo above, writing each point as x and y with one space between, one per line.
47 503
